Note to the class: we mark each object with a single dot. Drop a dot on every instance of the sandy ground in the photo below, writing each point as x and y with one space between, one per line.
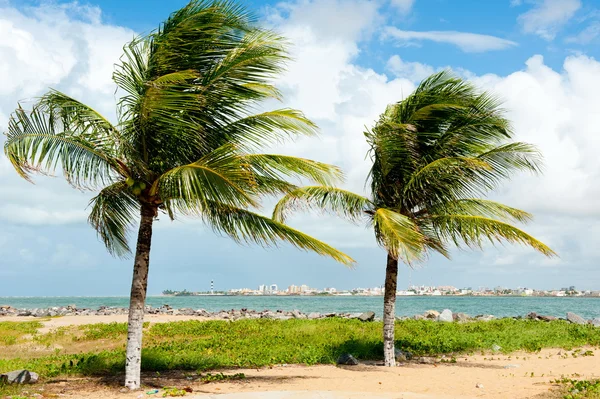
520 375
64 321
528 376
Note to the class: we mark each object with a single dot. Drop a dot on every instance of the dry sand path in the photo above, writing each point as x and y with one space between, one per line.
65 321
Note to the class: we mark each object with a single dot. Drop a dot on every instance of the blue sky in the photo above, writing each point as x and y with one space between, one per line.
351 58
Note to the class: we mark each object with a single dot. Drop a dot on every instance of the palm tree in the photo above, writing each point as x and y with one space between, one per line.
184 143
434 155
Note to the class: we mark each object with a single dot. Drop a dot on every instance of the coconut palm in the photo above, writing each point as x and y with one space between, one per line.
434 155
185 143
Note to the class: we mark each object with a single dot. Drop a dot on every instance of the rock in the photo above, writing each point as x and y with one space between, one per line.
512 366
486 317
298 314
314 315
426 360
347 359
575 319
20 377
446 316
532 316
479 385
402 356
330 314
547 318
419 317
595 322
461 317
496 347
431 314
367 316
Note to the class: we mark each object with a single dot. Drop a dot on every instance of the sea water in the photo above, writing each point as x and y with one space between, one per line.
588 307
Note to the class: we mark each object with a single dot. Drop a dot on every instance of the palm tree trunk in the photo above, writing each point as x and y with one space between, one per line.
139 285
389 311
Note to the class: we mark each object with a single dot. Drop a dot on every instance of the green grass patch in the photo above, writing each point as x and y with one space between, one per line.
11 333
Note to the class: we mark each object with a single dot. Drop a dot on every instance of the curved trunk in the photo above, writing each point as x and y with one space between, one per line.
137 299
389 311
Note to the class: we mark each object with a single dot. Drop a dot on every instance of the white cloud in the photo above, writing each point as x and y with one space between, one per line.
404 6
547 17
467 42
65 47
587 35
414 71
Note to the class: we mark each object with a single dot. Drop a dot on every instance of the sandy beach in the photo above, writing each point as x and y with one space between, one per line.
528 376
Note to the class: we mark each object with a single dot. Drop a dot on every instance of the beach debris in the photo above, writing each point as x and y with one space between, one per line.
479 385
446 316
496 347
20 377
347 359
402 356
512 366
367 316
575 318
431 314
173 392
152 392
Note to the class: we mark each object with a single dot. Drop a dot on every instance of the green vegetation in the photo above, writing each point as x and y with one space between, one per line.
579 389
203 346
11 333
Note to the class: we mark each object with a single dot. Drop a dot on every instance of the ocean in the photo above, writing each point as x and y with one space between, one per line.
405 306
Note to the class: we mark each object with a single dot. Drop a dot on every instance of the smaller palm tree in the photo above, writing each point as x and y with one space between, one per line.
434 155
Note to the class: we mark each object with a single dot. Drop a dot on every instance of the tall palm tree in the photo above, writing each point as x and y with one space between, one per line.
434 155
184 142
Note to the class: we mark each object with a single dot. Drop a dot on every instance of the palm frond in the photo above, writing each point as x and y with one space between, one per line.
285 167
482 207
330 199
269 127
113 211
39 141
248 227
222 176
399 236
473 230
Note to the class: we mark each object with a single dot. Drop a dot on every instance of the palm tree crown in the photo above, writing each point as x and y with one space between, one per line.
187 130
434 155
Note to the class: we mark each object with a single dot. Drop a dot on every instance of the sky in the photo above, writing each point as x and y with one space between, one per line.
350 58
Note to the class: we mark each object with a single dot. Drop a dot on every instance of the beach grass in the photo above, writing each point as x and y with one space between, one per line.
211 345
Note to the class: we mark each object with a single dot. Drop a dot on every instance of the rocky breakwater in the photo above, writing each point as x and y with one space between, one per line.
445 316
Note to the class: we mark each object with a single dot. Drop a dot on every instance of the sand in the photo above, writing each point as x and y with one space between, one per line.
520 375
64 321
